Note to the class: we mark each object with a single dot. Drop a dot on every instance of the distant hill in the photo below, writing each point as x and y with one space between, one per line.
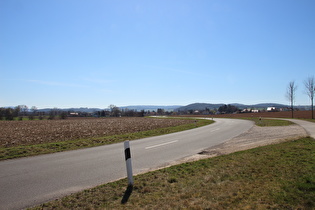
198 106
261 105
203 106
194 106
81 109
136 107
151 107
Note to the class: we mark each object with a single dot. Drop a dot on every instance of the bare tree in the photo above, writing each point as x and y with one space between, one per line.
23 109
291 89
34 109
115 111
310 89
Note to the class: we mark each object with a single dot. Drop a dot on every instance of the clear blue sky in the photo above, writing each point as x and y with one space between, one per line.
79 53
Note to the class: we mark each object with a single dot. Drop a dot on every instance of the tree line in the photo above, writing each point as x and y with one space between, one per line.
309 87
22 111
114 111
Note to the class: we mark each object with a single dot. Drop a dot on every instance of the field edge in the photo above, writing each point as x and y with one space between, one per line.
61 146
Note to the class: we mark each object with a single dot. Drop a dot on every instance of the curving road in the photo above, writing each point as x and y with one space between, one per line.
31 181
309 127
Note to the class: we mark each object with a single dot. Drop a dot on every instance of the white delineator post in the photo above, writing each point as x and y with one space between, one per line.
128 163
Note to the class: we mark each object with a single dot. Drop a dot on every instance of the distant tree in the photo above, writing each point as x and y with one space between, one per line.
17 111
2 111
142 113
63 115
222 109
41 115
291 89
129 112
227 109
53 113
310 89
114 110
168 112
160 111
111 108
9 114
23 109
34 110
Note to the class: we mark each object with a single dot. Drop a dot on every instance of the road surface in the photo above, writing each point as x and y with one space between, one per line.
308 126
31 181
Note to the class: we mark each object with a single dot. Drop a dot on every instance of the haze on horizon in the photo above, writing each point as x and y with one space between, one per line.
95 53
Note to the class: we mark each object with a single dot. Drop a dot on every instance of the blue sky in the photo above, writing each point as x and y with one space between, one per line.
78 53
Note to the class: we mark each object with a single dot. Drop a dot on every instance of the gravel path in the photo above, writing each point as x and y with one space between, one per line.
254 137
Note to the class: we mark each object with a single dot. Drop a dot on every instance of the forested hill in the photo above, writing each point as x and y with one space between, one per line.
204 106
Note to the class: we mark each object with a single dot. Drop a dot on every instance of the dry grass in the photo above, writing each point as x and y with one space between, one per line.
272 177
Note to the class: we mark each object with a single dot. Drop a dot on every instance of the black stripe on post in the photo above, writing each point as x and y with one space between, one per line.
127 153
128 162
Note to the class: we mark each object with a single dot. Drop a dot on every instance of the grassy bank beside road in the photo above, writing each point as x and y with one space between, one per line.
264 122
278 176
128 133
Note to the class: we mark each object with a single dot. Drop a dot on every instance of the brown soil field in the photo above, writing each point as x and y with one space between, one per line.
14 133
284 114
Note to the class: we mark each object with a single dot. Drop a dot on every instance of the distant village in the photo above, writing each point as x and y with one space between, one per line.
22 111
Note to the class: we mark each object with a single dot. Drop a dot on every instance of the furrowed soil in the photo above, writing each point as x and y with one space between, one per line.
285 114
17 133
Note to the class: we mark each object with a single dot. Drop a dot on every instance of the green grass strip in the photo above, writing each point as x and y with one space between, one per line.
264 122
310 120
278 176
31 150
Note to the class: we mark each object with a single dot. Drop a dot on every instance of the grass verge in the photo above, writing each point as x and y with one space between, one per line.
278 176
310 120
264 122
31 150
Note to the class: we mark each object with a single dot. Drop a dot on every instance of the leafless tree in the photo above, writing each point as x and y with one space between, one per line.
115 111
310 89
291 89
23 109
34 110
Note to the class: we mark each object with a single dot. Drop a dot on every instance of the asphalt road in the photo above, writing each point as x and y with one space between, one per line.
31 181
308 126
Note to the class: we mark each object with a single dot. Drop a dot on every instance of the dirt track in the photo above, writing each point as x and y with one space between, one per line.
255 137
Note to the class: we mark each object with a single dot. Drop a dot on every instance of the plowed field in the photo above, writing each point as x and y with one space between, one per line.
286 114
14 133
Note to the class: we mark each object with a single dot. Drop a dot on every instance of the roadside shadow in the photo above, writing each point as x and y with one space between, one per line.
127 194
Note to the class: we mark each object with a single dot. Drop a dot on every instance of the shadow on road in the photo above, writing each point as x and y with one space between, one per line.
127 194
